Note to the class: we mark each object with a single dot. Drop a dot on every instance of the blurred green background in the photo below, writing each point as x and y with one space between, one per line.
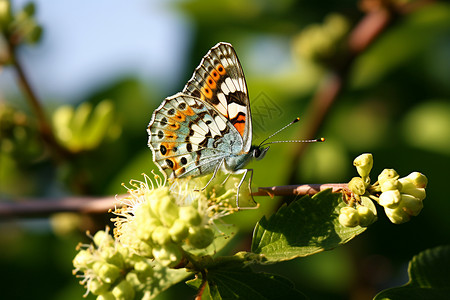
395 104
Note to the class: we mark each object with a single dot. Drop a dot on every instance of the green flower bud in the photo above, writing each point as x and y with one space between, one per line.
387 174
145 226
112 256
102 238
83 260
106 272
366 216
357 186
418 179
391 185
161 235
363 164
123 291
156 197
409 188
179 231
397 215
348 217
106 296
145 249
390 199
190 216
168 211
97 287
143 269
201 236
133 278
411 205
168 255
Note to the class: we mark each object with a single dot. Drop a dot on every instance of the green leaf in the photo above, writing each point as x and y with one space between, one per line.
306 226
429 277
245 284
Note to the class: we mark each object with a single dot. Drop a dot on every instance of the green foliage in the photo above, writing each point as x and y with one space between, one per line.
245 284
306 226
429 277
396 105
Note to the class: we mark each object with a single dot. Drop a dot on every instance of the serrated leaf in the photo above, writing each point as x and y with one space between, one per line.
245 284
429 277
306 226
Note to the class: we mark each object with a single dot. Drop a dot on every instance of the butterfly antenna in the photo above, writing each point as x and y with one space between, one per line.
278 131
296 141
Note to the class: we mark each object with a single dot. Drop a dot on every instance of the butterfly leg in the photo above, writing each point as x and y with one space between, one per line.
213 175
245 171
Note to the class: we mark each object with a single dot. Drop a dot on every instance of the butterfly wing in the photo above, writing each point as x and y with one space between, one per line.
188 137
219 80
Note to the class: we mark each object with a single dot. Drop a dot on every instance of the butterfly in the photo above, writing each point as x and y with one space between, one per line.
207 126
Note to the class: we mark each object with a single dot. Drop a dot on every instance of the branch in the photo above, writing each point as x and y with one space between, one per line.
37 207
299 190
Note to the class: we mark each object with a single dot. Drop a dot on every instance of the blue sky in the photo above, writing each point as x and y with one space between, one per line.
89 42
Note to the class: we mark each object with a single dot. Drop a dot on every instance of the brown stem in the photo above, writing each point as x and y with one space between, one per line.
33 207
299 190
36 207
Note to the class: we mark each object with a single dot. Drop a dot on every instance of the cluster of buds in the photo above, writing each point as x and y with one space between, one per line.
401 198
156 229
161 224
109 270
21 26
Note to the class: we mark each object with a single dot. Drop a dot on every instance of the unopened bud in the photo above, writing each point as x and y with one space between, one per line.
357 186
349 217
391 185
124 290
390 199
363 164
418 179
387 174
366 216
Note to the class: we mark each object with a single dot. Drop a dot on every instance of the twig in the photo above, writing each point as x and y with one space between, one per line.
299 190
37 207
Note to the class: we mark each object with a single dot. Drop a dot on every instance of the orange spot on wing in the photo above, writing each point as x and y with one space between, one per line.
221 69
170 135
240 124
240 127
180 171
189 111
174 125
211 83
207 92
169 147
180 117
215 75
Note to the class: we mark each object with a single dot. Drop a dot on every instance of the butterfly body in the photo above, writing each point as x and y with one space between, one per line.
208 125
